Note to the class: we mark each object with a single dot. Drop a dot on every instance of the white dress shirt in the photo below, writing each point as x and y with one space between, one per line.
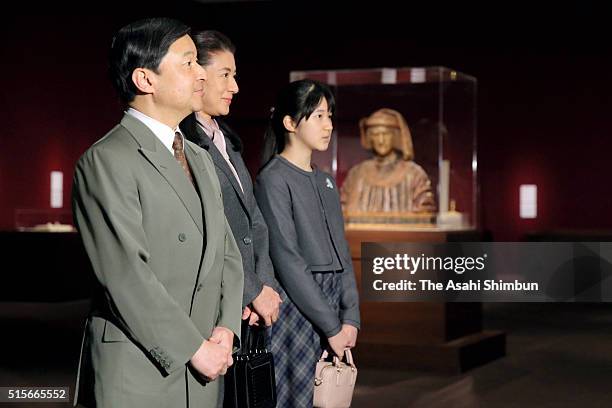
164 133
213 131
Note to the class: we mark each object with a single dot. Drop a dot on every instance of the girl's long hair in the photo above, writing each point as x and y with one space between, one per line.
298 100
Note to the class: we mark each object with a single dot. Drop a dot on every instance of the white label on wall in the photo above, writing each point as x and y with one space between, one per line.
57 189
528 201
417 75
388 76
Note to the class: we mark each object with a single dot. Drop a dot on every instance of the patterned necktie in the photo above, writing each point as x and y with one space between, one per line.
179 154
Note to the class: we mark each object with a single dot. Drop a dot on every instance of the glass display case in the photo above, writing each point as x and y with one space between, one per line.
438 107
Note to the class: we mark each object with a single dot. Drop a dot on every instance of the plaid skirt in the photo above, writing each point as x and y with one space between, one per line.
297 345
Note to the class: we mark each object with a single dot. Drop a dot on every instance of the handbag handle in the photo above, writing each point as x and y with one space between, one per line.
325 354
254 339
348 356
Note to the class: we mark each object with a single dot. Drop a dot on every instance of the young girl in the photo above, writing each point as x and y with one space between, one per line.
308 248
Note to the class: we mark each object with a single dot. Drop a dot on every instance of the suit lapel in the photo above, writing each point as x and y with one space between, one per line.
167 166
243 173
220 163
202 177
245 179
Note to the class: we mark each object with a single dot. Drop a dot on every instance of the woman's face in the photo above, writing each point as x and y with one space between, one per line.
315 132
381 138
220 86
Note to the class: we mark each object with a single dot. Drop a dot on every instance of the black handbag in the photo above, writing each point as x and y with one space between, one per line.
250 381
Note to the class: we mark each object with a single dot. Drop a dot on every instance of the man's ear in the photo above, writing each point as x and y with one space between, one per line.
289 124
144 80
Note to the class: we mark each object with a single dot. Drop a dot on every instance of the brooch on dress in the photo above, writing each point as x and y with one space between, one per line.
328 183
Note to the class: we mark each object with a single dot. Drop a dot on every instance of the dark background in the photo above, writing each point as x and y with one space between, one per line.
543 117
543 102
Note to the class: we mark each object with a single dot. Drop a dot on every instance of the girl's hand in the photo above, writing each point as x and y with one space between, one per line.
351 334
339 343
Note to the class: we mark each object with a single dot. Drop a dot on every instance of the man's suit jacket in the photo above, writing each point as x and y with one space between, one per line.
241 210
163 288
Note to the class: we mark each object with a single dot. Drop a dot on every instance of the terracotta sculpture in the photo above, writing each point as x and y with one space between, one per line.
390 181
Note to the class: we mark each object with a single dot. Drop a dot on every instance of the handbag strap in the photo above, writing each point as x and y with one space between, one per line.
348 357
246 337
325 354
254 339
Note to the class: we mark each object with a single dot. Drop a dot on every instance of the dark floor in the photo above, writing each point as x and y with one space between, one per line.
558 355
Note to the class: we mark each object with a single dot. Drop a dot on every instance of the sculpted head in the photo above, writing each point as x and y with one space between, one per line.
385 131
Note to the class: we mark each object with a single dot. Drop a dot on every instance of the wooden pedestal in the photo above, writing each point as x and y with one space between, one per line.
444 337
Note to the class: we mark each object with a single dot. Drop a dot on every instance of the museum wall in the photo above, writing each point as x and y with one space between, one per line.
543 101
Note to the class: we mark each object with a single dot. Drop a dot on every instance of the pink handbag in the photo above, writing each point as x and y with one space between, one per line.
334 381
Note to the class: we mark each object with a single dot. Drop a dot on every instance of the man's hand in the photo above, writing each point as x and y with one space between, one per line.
247 313
351 333
225 338
210 360
267 305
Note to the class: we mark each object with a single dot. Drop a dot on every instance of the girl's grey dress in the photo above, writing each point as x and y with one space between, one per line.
313 264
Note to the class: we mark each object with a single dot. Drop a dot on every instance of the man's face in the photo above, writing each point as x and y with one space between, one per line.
180 83
381 138
221 84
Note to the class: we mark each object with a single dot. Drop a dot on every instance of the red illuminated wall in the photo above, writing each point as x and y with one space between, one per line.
544 103
545 121
54 104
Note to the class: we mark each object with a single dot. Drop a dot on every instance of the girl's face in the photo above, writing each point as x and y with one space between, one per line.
315 132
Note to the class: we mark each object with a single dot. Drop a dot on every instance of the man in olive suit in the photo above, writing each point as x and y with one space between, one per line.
148 206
